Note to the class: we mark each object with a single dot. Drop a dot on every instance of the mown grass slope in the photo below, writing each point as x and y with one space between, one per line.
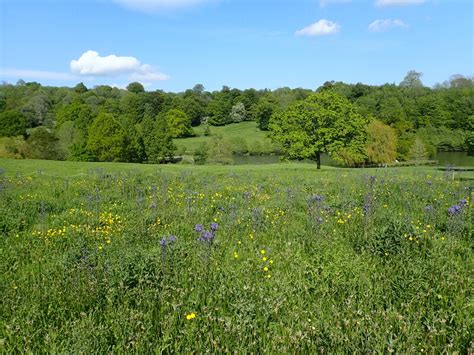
246 131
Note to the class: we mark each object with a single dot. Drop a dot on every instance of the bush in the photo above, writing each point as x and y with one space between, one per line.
239 146
219 151
14 148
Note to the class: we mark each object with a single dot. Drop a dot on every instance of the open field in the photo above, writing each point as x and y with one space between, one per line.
101 257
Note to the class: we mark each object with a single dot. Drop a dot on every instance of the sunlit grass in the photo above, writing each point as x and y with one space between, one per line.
103 257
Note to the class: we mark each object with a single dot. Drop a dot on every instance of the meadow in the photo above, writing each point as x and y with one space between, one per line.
109 257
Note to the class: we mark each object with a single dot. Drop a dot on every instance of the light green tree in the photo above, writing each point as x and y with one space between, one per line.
107 138
219 151
418 151
381 146
178 123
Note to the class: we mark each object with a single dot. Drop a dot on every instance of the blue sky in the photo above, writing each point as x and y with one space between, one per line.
174 44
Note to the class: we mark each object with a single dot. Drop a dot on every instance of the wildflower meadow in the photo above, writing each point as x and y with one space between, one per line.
102 258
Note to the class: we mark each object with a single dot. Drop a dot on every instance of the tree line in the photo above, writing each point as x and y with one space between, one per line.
110 124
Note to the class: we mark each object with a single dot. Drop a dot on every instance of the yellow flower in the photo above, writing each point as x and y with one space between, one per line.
191 316
265 269
263 251
236 255
264 258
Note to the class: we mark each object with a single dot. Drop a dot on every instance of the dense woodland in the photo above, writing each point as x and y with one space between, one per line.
401 121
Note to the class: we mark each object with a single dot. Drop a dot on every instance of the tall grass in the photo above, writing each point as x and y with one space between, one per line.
300 260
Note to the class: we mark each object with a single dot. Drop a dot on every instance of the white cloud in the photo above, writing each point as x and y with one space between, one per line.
385 25
36 74
91 63
321 28
151 5
324 3
383 3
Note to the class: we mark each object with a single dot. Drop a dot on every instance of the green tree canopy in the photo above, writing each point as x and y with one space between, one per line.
263 112
178 123
323 123
44 144
13 123
80 88
159 147
107 138
135 87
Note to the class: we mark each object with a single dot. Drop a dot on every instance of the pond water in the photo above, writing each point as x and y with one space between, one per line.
454 159
273 159
443 158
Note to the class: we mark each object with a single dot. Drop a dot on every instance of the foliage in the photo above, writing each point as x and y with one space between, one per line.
178 123
418 150
107 138
80 88
135 87
264 112
44 144
158 142
439 115
322 123
238 113
201 154
14 148
219 151
412 80
470 136
381 146
13 123
239 145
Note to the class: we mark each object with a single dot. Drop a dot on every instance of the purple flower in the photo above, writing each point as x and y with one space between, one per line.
214 226
454 210
163 242
366 208
206 237
172 239
198 228
463 202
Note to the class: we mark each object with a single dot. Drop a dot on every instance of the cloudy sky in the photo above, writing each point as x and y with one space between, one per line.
174 44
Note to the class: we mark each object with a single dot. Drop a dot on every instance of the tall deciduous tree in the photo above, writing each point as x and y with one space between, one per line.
107 138
322 123
412 80
159 147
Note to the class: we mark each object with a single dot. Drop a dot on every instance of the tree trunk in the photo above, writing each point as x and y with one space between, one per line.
318 160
